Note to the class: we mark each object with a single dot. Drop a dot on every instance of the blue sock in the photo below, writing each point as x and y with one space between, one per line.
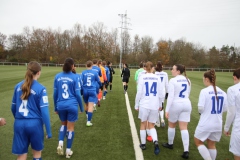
104 93
86 112
90 116
62 133
70 139
37 158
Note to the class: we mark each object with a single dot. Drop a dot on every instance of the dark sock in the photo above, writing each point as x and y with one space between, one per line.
110 87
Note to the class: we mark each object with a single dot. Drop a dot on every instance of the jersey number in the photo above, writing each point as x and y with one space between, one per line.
65 93
153 89
89 81
219 105
184 89
23 108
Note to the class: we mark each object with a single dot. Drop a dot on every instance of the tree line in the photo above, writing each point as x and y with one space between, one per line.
82 44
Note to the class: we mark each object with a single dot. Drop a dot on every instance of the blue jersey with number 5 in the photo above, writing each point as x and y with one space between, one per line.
29 108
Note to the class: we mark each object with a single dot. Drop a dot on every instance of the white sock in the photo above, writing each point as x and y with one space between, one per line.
213 153
68 150
162 115
204 152
185 139
153 133
60 143
158 118
143 136
171 135
148 132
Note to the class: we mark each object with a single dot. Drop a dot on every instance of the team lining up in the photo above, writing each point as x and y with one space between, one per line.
31 110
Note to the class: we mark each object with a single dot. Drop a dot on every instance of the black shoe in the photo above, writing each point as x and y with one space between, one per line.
156 148
142 146
185 155
98 103
166 145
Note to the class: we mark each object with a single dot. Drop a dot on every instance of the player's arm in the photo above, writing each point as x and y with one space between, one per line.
161 94
138 95
55 94
45 112
13 107
231 110
170 95
78 96
201 102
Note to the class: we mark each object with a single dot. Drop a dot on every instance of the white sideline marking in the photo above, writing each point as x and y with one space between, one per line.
138 150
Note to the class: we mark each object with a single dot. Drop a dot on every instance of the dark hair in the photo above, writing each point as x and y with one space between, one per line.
212 78
94 61
149 66
236 73
32 69
141 64
126 65
182 70
68 64
99 62
104 63
159 66
89 63
108 63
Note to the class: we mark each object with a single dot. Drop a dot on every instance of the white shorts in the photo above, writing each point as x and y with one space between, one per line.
148 115
204 135
235 144
180 111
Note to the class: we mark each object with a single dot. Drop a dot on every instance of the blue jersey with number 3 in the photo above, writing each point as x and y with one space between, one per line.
66 86
29 108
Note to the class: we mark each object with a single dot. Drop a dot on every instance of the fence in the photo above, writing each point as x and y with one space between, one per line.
114 66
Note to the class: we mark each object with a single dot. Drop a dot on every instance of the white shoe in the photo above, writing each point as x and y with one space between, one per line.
89 124
157 124
104 97
94 108
60 150
69 154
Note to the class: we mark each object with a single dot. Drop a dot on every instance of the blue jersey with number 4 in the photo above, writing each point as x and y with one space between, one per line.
30 108
66 86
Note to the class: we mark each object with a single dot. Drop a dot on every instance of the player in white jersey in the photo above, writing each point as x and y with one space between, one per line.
178 107
164 80
148 102
212 103
233 115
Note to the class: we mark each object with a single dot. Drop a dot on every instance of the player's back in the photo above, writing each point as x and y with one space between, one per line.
150 90
179 87
211 117
234 100
30 108
66 85
89 78
164 79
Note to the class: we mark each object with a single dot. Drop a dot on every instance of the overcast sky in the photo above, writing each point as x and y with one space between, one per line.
207 22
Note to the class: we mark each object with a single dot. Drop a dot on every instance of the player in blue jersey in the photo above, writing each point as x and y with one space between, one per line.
90 78
98 71
212 103
148 102
178 107
233 115
66 98
105 82
109 64
30 110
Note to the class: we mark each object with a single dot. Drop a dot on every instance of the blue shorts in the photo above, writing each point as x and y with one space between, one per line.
70 114
27 131
89 96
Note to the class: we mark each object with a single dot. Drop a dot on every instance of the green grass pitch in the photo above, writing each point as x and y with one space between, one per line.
110 137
